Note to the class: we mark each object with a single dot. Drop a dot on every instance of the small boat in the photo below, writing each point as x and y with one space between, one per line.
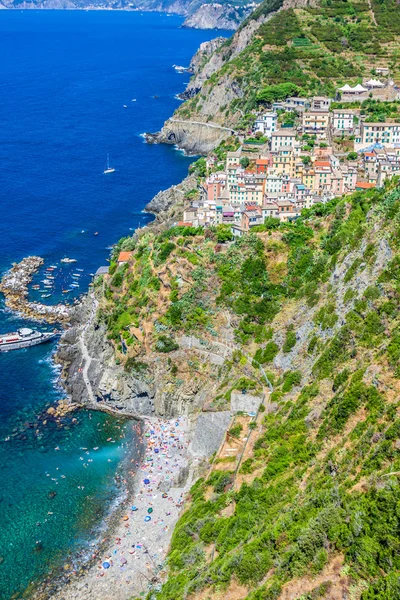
46 295
74 285
53 266
66 291
96 233
79 269
108 169
76 274
68 260
36 287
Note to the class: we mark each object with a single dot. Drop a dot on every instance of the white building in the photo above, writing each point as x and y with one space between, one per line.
343 120
387 134
266 123
282 137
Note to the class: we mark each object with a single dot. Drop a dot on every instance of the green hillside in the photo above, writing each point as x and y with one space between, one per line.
313 510
316 48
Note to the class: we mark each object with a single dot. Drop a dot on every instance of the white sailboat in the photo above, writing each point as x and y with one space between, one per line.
108 169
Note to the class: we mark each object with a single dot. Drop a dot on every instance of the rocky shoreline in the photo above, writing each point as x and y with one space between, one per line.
14 285
93 380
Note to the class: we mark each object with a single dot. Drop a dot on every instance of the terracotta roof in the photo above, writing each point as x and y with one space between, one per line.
363 185
322 163
124 256
184 223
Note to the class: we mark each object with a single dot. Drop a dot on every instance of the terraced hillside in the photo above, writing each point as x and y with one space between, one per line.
313 46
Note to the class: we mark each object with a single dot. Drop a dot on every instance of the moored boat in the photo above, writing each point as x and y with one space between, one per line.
24 338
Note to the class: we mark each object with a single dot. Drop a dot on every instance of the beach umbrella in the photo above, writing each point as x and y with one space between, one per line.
123 561
146 481
133 508
156 450
106 565
164 495
147 518
149 510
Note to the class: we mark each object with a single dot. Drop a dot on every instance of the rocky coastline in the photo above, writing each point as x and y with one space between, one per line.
93 379
15 287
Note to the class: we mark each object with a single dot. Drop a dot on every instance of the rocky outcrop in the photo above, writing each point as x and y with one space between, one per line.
93 379
216 16
167 205
194 137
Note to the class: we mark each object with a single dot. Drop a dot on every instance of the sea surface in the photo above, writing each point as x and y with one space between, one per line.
74 86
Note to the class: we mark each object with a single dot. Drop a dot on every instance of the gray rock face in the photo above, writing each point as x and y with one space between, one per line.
216 16
112 387
209 432
194 137
172 197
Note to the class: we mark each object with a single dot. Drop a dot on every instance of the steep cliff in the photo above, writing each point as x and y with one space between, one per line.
217 16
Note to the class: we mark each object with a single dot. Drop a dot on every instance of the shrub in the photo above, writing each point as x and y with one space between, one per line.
290 380
267 354
290 340
326 317
117 280
166 344
236 430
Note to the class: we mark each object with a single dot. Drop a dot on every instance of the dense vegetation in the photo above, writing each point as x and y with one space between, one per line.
316 302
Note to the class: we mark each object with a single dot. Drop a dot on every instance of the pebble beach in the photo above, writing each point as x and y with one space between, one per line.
133 552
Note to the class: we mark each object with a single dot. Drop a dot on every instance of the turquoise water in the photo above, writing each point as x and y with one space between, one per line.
65 78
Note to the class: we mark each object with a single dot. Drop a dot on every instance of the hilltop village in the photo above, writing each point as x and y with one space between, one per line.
299 152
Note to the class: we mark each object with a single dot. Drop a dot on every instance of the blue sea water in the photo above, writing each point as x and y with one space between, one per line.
74 86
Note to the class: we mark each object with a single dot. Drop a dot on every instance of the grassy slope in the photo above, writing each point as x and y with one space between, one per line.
313 508
316 48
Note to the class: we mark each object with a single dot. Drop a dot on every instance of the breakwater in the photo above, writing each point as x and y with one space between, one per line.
15 287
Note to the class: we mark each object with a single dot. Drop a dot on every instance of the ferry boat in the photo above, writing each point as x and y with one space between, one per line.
24 338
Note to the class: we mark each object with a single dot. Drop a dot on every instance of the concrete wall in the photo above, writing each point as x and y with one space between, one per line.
245 402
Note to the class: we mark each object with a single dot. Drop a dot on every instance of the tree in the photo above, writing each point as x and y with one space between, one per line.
199 167
271 223
280 91
306 160
352 156
224 233
245 161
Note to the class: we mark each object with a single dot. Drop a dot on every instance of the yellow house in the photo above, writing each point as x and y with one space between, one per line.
309 179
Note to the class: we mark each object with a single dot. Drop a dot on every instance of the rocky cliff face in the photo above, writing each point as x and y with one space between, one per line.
194 137
111 387
167 205
216 16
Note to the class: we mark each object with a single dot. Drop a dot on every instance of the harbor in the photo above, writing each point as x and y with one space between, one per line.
15 287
